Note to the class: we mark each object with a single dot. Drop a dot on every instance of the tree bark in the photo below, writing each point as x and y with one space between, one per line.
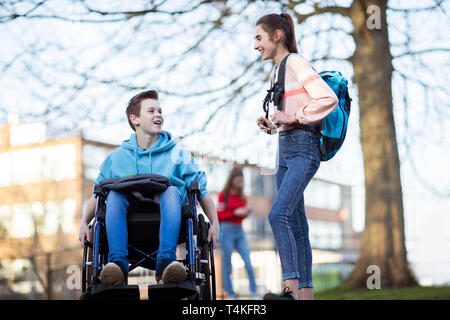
383 238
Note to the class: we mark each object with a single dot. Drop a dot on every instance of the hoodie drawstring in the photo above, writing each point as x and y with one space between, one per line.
136 160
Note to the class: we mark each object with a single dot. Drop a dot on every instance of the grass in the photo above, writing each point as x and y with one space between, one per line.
409 293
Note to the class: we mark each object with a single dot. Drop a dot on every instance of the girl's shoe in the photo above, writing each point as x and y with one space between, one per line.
287 295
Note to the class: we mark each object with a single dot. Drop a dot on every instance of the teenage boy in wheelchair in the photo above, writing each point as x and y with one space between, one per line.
149 150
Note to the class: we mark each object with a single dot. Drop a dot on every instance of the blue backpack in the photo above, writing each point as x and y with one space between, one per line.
334 126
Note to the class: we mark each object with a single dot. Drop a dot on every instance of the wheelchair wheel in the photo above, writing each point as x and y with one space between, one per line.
88 258
86 280
207 292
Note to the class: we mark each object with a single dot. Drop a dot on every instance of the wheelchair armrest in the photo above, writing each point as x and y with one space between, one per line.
87 244
194 187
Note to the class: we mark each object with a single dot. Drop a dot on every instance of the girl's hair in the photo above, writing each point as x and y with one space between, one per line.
272 22
235 172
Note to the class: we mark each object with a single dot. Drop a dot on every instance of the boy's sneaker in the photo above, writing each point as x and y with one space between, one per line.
287 295
171 272
112 274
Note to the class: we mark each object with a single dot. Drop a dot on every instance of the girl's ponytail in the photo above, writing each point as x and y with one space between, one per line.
283 22
290 34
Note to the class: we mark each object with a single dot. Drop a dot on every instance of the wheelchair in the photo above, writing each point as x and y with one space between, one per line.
143 222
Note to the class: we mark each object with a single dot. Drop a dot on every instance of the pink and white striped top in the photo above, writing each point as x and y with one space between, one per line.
306 94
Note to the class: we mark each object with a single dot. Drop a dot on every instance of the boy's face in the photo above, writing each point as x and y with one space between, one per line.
150 119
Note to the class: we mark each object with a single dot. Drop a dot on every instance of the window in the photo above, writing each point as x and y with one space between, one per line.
22 225
5 215
247 180
45 218
5 164
215 175
51 163
93 157
26 166
68 215
52 218
321 194
27 133
59 162
20 268
325 235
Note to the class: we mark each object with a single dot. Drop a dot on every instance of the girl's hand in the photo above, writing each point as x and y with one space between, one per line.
280 117
266 126
241 212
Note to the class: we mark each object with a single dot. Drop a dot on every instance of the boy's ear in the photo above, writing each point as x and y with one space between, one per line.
134 120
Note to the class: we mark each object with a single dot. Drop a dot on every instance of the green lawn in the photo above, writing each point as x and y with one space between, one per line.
410 293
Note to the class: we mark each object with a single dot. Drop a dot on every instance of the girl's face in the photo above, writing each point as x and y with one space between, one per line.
264 43
238 182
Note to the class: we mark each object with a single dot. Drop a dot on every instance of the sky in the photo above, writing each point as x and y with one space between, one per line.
424 124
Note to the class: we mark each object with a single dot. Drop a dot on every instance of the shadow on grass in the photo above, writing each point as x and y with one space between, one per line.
409 293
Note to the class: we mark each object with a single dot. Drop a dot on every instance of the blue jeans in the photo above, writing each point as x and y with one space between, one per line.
298 159
232 237
169 230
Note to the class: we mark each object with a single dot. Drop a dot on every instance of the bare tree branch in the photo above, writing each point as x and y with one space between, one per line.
412 53
343 11
438 4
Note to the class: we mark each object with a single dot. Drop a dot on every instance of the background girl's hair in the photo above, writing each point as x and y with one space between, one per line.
235 172
283 22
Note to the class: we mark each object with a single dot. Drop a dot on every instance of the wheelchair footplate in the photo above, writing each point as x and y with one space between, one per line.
172 290
117 292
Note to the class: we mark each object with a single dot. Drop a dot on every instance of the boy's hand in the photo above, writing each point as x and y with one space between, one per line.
84 233
266 126
213 234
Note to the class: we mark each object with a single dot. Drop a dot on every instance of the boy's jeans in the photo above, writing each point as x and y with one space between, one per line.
232 237
298 159
116 226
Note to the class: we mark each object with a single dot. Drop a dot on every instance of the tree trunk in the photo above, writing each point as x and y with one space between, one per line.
383 239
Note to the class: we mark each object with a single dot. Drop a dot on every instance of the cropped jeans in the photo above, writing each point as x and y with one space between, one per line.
298 159
116 226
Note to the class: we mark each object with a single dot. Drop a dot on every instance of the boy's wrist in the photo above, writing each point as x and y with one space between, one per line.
214 222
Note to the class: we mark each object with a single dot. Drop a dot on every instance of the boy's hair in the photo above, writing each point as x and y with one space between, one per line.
134 105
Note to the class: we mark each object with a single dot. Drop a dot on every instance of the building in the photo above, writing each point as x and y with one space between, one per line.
45 183
43 187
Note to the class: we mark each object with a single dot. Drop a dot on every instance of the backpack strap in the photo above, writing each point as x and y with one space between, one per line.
276 91
279 85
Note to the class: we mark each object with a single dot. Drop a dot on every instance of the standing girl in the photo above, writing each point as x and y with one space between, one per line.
306 101
232 209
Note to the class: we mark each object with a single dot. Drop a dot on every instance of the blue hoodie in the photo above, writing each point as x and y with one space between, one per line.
165 157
